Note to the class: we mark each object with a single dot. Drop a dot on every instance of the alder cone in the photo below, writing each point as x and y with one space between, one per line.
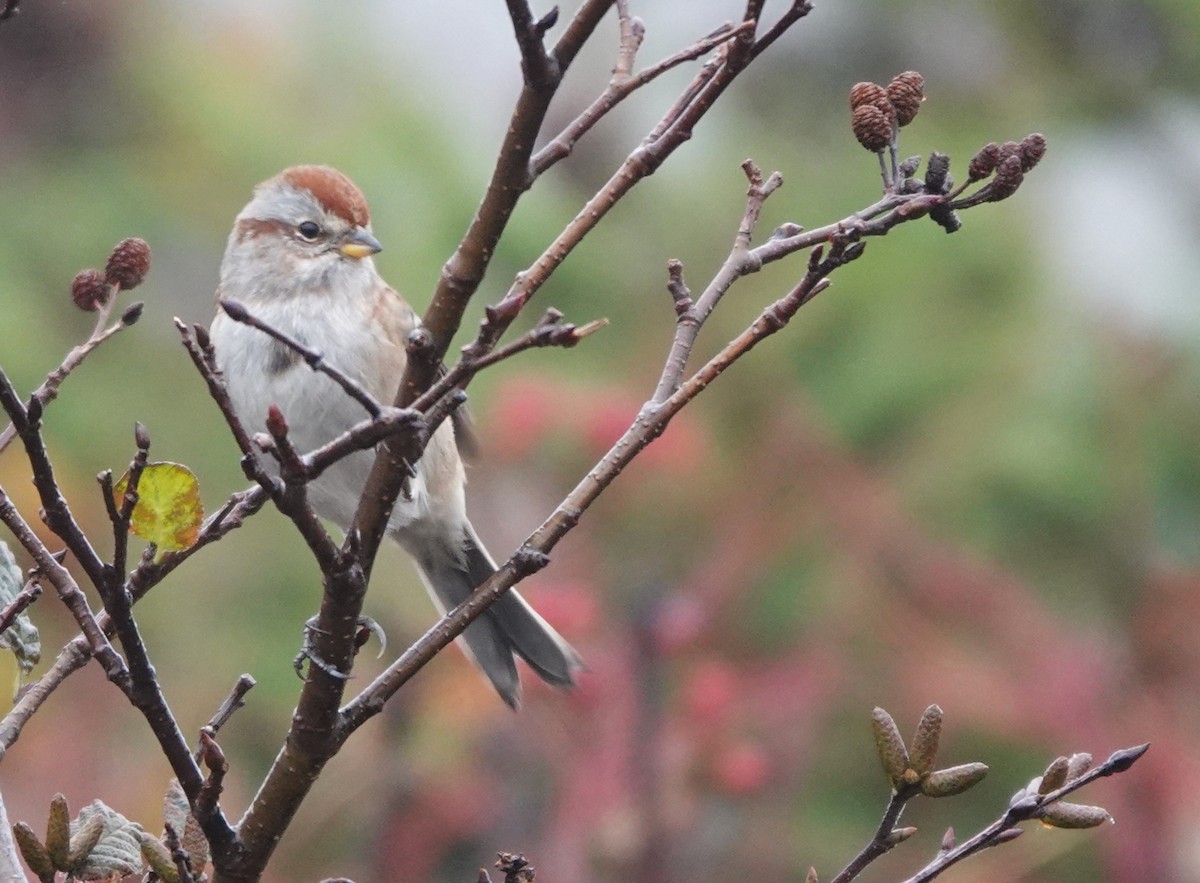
90 290
872 127
906 91
128 263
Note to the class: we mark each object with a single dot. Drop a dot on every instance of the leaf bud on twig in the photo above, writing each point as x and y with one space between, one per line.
276 422
953 780
890 745
923 749
132 313
937 172
1055 776
1074 815
33 851
948 841
1120 761
1078 764
58 833
1008 835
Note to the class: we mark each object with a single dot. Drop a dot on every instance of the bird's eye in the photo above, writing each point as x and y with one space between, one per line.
309 230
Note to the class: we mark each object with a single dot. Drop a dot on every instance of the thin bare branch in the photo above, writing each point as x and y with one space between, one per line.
235 700
538 66
293 499
624 83
882 842
672 130
30 592
739 262
122 516
178 854
68 591
149 573
207 801
511 177
48 391
795 12
465 269
238 312
533 553
57 514
1023 809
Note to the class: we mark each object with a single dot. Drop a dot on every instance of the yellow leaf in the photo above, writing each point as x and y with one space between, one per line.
168 511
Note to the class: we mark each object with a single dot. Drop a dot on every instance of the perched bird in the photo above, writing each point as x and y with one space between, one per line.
299 258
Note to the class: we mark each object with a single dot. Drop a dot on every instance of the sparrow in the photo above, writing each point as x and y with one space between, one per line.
299 258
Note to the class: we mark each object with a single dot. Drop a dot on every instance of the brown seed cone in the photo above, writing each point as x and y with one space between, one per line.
128 263
1033 148
984 162
1009 148
872 127
867 93
90 290
906 92
1008 178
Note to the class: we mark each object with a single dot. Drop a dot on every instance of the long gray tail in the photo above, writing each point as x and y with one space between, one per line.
508 628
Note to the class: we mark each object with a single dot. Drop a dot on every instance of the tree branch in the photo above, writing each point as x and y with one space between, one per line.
57 514
238 312
1024 808
31 591
48 391
624 83
465 269
533 553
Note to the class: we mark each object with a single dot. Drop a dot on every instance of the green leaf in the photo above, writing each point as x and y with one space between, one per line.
22 636
168 511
